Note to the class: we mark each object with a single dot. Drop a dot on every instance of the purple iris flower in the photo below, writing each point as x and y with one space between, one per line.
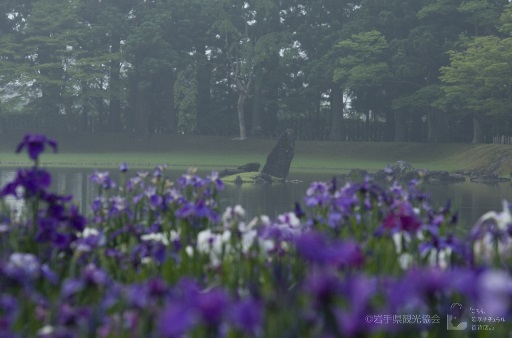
97 204
420 286
49 274
51 230
358 291
92 275
317 194
158 172
157 287
70 316
143 295
8 310
176 320
323 286
133 183
298 210
137 296
22 267
90 239
495 292
214 178
33 181
190 179
75 219
123 167
181 314
403 218
155 201
199 209
103 179
247 315
35 145
63 240
70 287
212 306
117 206
334 219
316 248
148 249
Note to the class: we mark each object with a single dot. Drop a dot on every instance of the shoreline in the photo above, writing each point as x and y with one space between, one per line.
102 150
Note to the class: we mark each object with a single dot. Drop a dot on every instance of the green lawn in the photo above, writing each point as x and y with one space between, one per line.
109 150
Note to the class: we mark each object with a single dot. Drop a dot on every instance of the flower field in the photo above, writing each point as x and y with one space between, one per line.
157 258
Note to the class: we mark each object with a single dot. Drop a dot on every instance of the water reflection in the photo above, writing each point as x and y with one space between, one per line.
270 200
471 199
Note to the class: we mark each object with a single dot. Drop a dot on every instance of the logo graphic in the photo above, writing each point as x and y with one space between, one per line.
454 319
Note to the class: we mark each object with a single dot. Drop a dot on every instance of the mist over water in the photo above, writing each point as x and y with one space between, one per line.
470 199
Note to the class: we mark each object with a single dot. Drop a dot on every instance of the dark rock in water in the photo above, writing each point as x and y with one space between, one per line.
411 175
280 158
263 179
229 172
405 172
238 180
259 180
489 179
250 167
455 178
436 175
443 176
400 168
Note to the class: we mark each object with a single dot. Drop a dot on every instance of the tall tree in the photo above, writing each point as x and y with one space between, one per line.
362 69
244 48
397 21
49 46
199 42
153 55
316 27
110 25
479 78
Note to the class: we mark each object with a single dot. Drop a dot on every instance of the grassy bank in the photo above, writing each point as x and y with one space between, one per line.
104 150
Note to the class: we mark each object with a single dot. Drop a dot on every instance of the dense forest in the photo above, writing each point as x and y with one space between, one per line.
366 70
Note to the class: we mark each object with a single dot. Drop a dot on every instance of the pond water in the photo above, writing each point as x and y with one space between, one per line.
471 199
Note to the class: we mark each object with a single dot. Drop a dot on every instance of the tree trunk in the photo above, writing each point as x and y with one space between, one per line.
432 135
270 91
83 114
114 120
416 128
390 125
241 114
437 123
97 123
172 119
367 125
477 129
203 78
399 127
243 92
337 106
51 88
141 111
256 109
